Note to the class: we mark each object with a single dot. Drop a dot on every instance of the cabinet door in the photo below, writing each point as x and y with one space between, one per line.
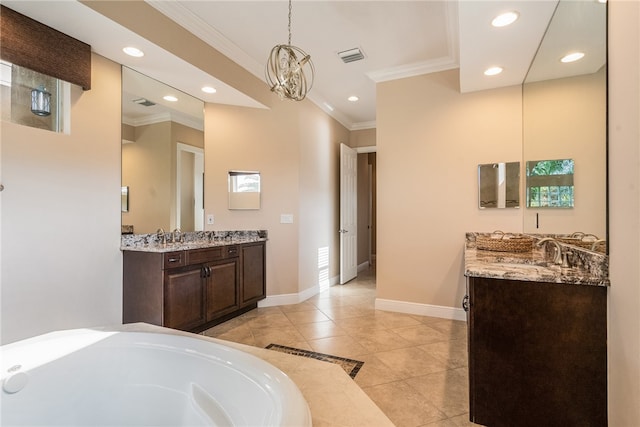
537 354
253 272
222 288
184 298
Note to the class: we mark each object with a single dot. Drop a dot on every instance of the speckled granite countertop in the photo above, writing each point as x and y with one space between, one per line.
190 240
589 268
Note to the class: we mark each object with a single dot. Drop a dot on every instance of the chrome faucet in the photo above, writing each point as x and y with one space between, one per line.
557 256
161 236
175 233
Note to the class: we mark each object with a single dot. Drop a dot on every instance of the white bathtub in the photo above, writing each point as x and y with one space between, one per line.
88 377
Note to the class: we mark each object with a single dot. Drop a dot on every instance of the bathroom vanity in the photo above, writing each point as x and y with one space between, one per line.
537 338
192 285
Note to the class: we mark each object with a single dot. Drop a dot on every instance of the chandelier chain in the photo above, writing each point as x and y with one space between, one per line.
289 22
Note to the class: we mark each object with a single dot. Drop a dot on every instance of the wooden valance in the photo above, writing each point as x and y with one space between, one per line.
31 44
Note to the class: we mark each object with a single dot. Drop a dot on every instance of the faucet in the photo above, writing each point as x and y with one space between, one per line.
162 236
557 257
175 233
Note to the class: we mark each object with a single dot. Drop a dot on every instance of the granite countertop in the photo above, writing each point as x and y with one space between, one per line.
589 268
190 240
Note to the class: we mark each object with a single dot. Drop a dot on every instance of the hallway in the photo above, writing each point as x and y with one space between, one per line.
415 367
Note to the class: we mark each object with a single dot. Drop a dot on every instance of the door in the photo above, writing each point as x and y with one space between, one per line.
348 213
189 188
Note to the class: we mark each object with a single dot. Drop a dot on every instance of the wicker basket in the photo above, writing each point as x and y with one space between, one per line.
504 243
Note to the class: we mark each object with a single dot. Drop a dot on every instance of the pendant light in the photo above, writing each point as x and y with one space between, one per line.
285 71
40 101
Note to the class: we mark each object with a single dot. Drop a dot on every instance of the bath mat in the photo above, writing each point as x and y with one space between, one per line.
350 366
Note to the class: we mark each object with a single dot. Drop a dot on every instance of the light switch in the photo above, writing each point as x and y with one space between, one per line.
210 219
286 218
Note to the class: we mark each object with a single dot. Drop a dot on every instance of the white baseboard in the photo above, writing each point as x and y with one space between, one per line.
296 298
364 266
443 312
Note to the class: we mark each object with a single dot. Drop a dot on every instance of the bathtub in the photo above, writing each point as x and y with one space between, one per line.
112 378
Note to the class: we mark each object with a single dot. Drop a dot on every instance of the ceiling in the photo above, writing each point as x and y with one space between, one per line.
398 38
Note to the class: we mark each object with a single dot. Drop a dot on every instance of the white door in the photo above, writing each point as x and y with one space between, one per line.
189 188
348 214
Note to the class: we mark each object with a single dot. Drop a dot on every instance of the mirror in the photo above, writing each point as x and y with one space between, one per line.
244 190
565 116
499 185
162 156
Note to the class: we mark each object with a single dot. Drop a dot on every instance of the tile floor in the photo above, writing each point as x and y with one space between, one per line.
415 367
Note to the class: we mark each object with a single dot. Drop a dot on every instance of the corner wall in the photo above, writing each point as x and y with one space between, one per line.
61 264
430 140
295 147
624 214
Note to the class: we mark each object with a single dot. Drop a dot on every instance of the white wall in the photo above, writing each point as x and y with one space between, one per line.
60 219
624 214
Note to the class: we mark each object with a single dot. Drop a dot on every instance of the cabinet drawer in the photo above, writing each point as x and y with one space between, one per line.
200 256
173 259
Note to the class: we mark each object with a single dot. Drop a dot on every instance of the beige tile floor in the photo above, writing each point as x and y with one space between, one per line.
415 367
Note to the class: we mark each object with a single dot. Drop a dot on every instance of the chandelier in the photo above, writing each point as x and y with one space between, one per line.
285 70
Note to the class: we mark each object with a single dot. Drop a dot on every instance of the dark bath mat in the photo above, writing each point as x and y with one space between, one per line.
350 366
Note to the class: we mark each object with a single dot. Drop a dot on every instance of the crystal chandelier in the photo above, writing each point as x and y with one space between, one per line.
285 70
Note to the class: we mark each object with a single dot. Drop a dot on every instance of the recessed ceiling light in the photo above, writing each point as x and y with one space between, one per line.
505 19
209 89
572 57
170 98
352 98
133 51
492 71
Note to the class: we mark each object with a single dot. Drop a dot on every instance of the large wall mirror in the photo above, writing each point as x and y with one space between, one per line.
565 115
162 156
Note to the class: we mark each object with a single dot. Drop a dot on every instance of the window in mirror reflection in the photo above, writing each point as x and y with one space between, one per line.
550 183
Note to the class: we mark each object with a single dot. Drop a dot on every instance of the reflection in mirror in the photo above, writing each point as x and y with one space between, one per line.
499 185
565 115
550 183
244 190
124 199
162 156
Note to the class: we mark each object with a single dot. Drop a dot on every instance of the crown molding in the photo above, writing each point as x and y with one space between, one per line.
164 117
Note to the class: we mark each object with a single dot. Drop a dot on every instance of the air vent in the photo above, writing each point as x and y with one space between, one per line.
145 102
351 55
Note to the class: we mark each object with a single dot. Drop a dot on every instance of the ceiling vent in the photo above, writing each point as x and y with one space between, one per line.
145 102
351 55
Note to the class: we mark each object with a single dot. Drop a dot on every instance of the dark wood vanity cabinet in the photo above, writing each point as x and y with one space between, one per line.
537 353
253 272
192 289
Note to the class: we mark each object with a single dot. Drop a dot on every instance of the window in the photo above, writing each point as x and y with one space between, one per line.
550 184
33 99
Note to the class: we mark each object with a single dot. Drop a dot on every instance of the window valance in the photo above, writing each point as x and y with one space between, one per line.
33 45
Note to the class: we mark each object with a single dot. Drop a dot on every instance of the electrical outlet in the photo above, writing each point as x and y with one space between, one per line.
210 219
